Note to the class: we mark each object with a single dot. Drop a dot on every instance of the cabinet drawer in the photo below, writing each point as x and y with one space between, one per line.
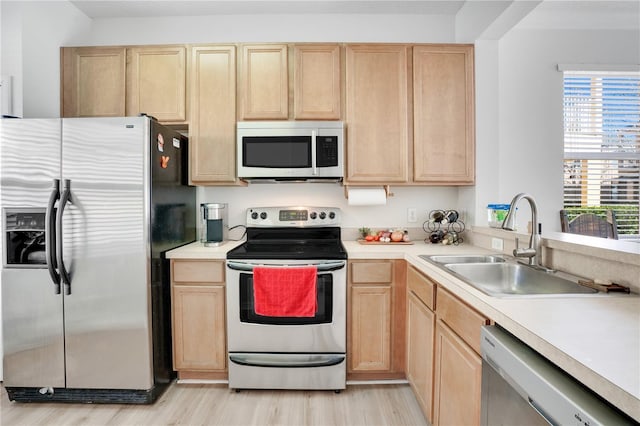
195 271
372 272
422 287
462 319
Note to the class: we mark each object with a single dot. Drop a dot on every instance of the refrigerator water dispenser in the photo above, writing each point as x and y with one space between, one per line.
24 238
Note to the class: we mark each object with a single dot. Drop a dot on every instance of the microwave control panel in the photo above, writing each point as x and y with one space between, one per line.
327 151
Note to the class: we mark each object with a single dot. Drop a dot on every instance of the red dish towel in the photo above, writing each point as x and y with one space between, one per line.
285 292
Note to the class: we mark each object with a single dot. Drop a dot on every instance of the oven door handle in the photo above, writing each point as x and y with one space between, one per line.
287 360
322 267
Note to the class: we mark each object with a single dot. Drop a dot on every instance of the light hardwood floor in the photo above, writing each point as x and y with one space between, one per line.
206 404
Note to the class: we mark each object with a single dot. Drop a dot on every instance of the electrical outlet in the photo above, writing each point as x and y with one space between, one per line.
412 215
497 244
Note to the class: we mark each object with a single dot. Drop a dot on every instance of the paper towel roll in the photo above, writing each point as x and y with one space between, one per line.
367 196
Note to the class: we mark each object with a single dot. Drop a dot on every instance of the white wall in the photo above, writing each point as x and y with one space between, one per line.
394 214
32 33
11 48
272 28
530 108
486 190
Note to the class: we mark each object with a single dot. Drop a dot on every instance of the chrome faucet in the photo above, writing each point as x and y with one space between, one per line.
533 251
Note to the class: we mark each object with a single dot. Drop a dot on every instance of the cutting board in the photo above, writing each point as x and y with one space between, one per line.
379 243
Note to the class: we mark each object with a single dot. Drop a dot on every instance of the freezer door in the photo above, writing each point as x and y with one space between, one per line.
32 312
107 310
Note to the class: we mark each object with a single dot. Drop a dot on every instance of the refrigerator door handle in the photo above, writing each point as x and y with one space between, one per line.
50 237
64 199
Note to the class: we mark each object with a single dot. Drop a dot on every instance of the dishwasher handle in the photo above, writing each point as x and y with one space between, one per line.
541 412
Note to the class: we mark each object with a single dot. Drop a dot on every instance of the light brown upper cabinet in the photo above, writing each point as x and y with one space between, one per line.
212 126
377 113
317 83
443 114
157 81
93 81
264 82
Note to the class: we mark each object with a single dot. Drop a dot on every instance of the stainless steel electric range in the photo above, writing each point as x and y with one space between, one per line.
286 301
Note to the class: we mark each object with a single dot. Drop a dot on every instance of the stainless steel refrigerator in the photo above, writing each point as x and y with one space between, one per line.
89 207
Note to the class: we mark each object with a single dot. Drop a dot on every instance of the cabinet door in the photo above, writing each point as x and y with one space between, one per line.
377 113
199 339
264 83
458 375
370 328
156 82
420 335
213 115
316 87
444 114
93 81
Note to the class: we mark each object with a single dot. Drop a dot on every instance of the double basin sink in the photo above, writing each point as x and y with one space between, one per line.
498 277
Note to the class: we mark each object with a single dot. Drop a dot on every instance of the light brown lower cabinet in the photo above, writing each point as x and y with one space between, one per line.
421 298
458 376
458 365
420 335
198 319
376 319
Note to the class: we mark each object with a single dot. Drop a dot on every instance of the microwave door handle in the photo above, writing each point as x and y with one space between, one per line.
314 165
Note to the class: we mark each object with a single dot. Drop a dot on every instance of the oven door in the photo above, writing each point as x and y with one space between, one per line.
250 332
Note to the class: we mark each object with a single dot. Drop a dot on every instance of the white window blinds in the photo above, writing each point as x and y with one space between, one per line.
602 146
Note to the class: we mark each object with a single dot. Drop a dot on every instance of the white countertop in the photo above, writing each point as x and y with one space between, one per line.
596 339
197 250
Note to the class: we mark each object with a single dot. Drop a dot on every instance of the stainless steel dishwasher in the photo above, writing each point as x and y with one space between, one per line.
521 387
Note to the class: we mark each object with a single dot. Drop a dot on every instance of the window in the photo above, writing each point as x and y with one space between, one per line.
602 146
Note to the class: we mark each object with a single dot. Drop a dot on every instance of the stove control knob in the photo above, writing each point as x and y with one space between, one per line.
263 215
254 215
323 215
332 215
313 215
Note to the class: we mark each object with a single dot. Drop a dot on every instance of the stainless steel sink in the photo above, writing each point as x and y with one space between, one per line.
464 258
509 279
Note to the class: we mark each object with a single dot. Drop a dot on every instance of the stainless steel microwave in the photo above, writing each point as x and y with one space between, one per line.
290 150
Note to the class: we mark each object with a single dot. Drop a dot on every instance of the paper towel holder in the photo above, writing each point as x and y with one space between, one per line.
387 191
